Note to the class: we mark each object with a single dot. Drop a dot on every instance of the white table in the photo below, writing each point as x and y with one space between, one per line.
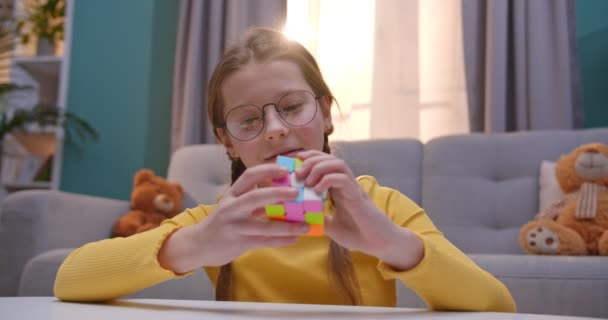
43 308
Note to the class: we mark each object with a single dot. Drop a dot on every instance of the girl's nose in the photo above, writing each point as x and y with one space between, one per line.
274 126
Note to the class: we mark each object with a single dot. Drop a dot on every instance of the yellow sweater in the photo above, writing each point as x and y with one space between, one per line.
445 279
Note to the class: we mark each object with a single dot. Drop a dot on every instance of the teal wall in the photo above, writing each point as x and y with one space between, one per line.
121 75
592 36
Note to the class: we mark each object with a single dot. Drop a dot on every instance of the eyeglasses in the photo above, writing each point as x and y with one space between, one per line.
296 108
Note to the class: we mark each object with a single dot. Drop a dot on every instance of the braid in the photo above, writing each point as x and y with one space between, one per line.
224 280
340 261
342 271
223 291
237 168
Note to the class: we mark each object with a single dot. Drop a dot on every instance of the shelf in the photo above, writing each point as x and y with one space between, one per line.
40 67
45 71
38 59
35 154
40 144
26 186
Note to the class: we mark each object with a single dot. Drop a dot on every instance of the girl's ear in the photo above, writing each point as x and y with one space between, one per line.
225 139
325 104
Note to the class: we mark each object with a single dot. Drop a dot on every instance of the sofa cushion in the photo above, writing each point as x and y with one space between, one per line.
395 163
35 221
39 273
525 276
204 170
578 284
480 189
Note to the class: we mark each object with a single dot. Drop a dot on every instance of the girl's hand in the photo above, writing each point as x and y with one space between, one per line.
357 223
237 224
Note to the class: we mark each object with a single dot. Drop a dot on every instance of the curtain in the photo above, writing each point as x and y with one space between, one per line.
206 28
521 65
395 67
419 83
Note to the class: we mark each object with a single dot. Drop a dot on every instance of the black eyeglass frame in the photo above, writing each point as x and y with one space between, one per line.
276 108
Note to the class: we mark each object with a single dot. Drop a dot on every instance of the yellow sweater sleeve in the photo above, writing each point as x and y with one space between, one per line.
111 268
446 279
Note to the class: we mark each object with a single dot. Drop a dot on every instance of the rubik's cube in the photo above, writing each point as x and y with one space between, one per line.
308 207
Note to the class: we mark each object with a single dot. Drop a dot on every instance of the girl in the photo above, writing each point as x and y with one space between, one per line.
267 97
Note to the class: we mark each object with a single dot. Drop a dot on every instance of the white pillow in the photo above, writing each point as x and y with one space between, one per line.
549 191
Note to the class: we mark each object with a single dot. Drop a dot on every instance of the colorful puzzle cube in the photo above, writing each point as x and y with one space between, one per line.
308 207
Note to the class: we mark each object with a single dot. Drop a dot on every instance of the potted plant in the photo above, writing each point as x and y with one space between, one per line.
43 116
43 20
29 128
29 125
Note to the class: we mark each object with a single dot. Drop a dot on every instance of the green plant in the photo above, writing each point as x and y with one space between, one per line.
46 21
13 119
43 18
44 116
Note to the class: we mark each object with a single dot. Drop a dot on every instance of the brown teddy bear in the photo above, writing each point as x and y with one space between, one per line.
153 200
578 223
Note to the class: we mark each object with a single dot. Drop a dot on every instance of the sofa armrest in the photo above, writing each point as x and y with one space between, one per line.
32 222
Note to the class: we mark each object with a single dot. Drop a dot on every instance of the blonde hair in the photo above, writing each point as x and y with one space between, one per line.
261 45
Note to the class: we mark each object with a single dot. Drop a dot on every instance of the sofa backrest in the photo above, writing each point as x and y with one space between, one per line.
395 163
479 189
204 170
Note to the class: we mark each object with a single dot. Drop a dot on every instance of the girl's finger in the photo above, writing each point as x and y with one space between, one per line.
256 175
259 212
248 203
325 167
303 155
308 163
333 180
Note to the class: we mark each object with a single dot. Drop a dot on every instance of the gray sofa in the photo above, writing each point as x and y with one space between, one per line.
478 189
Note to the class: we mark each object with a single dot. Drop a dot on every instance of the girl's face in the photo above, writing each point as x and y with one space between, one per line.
261 84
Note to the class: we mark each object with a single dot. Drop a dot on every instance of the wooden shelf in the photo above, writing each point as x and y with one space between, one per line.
40 67
48 78
40 144
44 70
26 186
